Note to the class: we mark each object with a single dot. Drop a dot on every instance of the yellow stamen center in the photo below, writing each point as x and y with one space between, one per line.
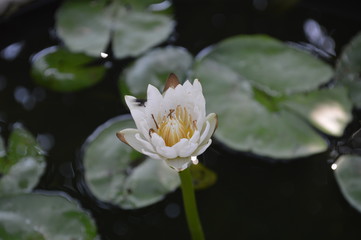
175 125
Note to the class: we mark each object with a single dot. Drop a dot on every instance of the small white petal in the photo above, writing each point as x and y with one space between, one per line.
154 100
128 135
157 141
167 152
184 148
133 104
179 164
202 148
152 155
212 120
197 85
205 132
141 122
145 143
195 137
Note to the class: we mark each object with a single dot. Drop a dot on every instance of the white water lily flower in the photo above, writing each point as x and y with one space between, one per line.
172 126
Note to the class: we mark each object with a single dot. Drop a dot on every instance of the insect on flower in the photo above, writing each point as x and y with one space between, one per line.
172 126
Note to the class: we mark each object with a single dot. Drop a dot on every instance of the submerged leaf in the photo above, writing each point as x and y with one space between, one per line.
38 216
63 71
202 176
115 173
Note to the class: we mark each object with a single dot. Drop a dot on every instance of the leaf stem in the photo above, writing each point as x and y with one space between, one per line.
190 206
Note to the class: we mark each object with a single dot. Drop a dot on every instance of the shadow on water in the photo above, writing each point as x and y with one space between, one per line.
254 198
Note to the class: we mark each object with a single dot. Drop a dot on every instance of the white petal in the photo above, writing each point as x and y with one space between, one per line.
197 85
153 155
195 137
141 122
166 152
157 141
154 103
145 143
133 104
188 86
205 131
212 120
179 164
184 148
128 136
202 148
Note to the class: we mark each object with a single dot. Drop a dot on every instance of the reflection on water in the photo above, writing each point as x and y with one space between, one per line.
46 141
172 210
160 6
27 98
331 116
334 166
317 36
12 51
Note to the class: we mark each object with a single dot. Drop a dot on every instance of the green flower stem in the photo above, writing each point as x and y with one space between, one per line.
190 205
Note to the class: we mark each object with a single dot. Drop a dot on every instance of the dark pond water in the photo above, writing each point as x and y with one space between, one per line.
254 198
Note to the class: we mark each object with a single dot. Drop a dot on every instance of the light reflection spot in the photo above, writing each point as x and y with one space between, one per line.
194 160
330 116
334 166
103 55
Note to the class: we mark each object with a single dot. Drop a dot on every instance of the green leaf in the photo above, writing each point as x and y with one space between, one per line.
23 165
154 68
63 71
268 64
89 26
35 216
258 88
348 69
348 176
116 173
328 109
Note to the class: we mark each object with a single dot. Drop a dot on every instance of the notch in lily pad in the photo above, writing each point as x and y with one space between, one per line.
61 70
131 26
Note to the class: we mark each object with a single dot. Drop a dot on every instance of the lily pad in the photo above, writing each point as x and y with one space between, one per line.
154 68
268 64
89 26
328 109
64 71
31 216
23 164
261 91
348 69
116 173
348 176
